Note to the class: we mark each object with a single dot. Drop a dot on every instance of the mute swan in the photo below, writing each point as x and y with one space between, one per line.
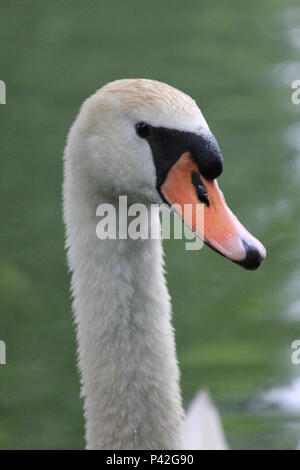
149 141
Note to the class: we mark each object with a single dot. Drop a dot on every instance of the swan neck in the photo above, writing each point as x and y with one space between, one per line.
127 360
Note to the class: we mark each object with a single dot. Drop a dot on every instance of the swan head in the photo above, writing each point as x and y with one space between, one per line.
149 141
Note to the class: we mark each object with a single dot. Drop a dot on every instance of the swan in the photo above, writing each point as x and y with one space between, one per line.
149 141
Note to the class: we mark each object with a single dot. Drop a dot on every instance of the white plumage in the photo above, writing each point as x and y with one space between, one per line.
126 352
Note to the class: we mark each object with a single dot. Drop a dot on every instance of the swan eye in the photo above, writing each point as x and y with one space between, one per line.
143 130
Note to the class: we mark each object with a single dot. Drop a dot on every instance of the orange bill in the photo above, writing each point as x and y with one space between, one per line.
185 188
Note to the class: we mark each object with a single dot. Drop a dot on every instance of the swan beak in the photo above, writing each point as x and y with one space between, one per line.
220 229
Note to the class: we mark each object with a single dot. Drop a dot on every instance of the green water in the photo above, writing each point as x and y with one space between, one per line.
233 328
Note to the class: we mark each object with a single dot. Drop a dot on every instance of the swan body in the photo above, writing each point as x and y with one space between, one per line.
202 427
126 349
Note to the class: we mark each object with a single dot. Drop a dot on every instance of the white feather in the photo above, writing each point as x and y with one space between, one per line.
202 426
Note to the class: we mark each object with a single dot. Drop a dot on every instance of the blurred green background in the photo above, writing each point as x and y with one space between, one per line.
234 329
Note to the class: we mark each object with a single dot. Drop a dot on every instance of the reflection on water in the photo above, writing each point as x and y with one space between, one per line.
287 398
293 136
286 72
292 311
294 36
